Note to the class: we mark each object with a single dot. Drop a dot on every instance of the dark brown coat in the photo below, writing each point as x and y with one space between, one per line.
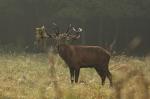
77 57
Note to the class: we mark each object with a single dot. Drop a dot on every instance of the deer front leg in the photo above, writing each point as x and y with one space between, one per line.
72 71
77 72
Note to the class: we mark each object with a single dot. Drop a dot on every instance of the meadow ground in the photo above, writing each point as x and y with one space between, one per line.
45 76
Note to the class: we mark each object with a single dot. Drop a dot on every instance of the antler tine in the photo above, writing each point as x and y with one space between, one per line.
77 31
68 28
57 28
54 23
80 29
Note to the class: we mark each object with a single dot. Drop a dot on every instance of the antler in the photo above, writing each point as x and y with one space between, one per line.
77 35
56 35
68 35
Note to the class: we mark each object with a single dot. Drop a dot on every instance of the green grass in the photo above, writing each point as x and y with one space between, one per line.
42 76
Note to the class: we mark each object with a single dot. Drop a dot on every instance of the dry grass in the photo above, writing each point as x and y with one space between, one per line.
41 76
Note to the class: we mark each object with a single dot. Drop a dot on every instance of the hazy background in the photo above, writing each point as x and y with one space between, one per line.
125 21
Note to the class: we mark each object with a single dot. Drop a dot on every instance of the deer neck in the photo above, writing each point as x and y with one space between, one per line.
60 47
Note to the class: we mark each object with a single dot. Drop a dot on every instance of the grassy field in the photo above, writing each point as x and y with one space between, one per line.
45 76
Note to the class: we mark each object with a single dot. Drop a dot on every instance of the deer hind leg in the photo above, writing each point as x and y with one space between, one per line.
102 74
72 71
109 77
77 72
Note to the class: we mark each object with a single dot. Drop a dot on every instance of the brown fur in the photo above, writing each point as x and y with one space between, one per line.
77 57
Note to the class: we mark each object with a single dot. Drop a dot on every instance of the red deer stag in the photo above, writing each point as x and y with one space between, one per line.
81 56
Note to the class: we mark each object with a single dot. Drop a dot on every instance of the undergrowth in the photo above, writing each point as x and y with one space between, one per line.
42 76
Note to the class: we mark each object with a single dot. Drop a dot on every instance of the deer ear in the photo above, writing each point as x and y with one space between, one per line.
78 36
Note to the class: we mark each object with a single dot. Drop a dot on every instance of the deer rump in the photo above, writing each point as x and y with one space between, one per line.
77 57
